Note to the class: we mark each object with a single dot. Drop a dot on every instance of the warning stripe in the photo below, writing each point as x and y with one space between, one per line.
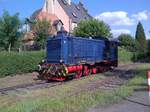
148 76
149 88
149 82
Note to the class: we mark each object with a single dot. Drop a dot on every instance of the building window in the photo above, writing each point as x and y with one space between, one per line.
65 2
59 26
78 7
74 25
74 14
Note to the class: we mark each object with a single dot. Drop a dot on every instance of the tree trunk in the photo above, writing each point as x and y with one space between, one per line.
9 48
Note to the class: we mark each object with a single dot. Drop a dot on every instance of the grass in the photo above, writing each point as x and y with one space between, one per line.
17 63
124 56
82 101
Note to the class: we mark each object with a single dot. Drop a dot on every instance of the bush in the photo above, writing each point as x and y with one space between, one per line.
137 57
92 28
17 63
127 41
124 56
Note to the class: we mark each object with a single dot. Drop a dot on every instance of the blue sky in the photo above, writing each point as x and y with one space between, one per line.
121 15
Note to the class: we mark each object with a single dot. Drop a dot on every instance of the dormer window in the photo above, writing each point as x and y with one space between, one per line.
58 25
65 2
78 7
74 14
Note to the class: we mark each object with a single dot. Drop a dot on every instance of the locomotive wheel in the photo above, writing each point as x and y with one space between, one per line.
94 70
45 75
87 71
79 74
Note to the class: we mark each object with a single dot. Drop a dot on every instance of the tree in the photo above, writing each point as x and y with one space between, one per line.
9 32
42 29
140 38
148 46
127 41
92 28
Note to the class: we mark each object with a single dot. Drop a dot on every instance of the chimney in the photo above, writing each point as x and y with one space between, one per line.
49 6
69 2
81 3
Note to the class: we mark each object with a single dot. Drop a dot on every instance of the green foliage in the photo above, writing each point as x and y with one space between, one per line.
92 28
148 47
125 56
139 56
42 29
9 33
140 38
139 46
127 41
14 63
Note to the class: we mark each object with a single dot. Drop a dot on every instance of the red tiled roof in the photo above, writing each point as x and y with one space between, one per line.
44 15
28 36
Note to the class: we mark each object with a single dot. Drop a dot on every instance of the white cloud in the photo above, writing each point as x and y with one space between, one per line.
141 15
122 18
117 18
117 32
147 36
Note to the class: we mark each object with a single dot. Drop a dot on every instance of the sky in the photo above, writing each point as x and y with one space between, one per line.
121 15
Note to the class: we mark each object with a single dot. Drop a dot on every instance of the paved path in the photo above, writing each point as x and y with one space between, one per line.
138 102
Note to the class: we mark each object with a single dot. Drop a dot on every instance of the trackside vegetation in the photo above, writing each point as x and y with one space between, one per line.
83 101
16 63
124 56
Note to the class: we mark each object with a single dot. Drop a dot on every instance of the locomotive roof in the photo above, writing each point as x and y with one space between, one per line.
61 37
64 34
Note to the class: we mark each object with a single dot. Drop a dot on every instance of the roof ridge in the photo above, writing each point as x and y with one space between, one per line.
72 10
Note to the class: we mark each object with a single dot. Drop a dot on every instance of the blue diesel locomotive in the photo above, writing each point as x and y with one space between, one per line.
69 56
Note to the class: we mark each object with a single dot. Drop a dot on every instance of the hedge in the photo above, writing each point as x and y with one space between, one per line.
17 63
124 56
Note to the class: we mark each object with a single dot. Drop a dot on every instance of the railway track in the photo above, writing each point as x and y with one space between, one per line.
32 86
121 70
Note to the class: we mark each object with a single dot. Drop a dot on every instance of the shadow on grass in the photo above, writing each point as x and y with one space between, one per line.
137 77
141 89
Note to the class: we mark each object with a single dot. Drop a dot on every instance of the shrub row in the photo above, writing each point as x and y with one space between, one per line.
124 56
17 63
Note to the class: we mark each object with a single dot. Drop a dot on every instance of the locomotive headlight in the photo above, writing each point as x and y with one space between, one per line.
61 61
43 61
